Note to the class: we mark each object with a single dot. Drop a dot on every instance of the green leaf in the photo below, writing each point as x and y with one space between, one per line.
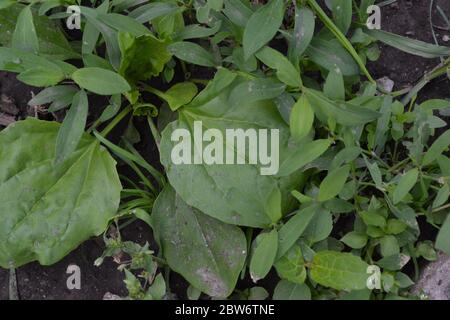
344 113
405 184
340 271
124 24
192 53
334 85
291 231
263 256
412 46
158 288
286 72
443 237
48 209
301 118
208 253
142 57
438 146
319 228
302 34
373 219
256 90
51 94
286 290
52 41
237 194
291 266
355 240
153 10
273 205
333 183
330 54
24 37
262 26
389 246
179 94
41 77
342 14
303 155
100 81
72 128
442 196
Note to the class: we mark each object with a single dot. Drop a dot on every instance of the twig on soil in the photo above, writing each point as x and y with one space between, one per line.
13 291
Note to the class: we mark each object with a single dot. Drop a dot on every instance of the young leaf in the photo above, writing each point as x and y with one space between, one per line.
100 81
341 271
262 26
24 37
264 254
72 128
208 253
333 183
192 53
405 184
142 57
286 72
301 118
70 201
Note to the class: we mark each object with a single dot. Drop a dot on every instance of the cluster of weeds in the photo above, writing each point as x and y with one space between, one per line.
360 170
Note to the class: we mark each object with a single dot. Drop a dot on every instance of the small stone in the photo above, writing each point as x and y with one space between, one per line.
111 296
445 38
386 84
434 281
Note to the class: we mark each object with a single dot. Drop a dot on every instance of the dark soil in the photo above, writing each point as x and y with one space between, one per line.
406 17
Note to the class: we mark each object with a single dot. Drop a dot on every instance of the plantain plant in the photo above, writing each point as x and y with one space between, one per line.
362 170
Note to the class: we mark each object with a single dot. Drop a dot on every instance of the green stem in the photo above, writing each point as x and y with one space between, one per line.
115 121
155 132
341 37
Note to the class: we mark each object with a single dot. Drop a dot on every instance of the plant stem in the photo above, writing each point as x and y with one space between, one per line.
155 132
115 121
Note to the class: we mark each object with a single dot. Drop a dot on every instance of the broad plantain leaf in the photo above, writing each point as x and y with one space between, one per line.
237 194
208 253
47 210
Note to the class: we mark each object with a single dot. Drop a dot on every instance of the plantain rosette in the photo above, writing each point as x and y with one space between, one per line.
233 193
48 208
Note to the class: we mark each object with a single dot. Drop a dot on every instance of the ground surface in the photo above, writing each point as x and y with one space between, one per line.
406 17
